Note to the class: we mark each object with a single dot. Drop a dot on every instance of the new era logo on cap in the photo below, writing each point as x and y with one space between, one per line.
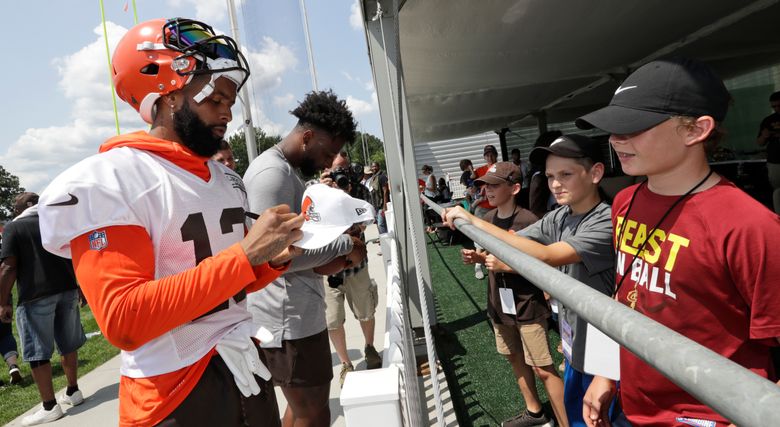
328 213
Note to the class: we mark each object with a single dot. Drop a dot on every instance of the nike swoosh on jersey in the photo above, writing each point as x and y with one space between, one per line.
621 89
73 200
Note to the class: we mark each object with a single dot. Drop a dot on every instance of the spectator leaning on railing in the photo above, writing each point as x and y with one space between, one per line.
694 252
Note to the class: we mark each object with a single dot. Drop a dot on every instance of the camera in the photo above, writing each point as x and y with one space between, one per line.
335 281
345 176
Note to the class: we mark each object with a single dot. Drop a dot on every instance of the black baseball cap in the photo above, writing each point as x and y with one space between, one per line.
571 146
657 91
489 149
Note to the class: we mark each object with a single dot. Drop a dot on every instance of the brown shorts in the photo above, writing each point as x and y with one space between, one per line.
304 362
216 401
529 340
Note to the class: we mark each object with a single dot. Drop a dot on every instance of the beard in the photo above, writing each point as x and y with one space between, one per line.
194 133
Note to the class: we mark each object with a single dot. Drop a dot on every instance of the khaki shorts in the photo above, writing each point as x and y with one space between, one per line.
529 340
361 294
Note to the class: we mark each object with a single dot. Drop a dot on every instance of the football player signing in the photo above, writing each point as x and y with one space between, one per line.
159 239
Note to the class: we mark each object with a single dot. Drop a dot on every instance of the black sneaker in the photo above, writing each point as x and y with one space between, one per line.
373 359
525 419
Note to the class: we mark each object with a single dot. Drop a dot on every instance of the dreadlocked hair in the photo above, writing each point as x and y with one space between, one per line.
325 111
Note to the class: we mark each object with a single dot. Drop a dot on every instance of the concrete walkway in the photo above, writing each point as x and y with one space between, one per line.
101 386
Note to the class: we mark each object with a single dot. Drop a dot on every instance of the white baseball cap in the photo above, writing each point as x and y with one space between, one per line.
328 213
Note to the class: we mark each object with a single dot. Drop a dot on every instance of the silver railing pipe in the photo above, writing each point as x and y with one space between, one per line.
738 394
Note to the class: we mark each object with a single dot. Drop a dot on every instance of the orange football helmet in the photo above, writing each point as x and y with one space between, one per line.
159 56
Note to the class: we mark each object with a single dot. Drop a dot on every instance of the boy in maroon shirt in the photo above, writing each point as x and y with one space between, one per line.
685 257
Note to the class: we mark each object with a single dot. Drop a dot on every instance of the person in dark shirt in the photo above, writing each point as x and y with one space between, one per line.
769 136
47 307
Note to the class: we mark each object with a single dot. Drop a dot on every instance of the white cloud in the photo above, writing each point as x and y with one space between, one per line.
270 63
360 107
42 153
369 86
355 17
285 101
347 76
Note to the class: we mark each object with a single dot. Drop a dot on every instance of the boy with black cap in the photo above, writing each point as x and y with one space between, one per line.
684 258
576 238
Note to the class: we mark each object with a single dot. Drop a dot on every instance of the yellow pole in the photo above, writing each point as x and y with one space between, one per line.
108 56
135 14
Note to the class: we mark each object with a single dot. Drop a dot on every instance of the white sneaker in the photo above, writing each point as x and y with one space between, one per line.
75 399
43 416
478 272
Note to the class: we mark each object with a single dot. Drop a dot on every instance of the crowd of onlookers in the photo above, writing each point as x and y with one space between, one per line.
665 247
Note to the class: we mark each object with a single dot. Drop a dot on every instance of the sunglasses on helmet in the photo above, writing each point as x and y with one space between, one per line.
197 40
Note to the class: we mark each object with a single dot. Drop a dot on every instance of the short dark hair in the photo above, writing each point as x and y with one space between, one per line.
223 145
774 97
515 150
464 164
24 201
324 110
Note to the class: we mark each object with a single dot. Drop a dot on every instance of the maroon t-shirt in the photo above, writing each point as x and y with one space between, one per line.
707 273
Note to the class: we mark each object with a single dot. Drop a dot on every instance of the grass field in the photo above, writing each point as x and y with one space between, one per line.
480 380
17 399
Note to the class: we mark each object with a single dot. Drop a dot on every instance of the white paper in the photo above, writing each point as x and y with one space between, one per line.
602 355
507 301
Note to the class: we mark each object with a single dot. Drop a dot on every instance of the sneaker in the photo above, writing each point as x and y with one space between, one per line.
75 399
345 368
373 359
526 420
478 273
43 416
16 375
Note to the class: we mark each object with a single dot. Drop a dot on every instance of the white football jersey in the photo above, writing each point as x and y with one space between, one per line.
187 218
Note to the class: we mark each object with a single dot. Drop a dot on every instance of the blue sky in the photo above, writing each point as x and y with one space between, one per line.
58 109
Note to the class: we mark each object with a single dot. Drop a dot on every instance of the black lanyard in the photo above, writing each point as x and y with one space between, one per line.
576 227
511 221
650 234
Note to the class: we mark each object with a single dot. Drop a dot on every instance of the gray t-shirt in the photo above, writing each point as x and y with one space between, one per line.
590 235
293 306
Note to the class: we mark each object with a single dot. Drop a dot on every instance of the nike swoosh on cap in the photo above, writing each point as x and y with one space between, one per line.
621 89
72 201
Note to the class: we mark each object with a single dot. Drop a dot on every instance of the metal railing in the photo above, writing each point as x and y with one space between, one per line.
738 394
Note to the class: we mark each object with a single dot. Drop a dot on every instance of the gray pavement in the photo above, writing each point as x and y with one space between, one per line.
101 386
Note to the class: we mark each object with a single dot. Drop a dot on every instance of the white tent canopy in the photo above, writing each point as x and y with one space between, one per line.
473 66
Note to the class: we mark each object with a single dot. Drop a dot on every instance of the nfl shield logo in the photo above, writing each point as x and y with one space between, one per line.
98 240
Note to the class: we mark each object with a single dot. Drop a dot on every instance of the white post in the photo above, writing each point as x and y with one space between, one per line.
249 128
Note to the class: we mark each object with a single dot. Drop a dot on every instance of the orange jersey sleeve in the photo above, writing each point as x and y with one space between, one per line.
132 307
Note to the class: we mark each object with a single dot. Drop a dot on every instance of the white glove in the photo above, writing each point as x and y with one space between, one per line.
240 355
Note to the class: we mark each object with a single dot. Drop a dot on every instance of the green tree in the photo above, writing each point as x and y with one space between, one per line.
9 189
238 145
376 150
